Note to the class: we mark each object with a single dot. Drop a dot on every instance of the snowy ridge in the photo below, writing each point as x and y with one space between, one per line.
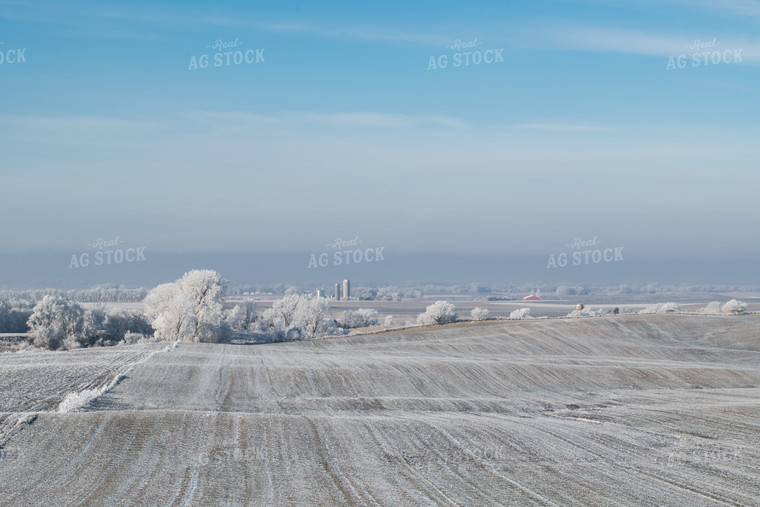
81 400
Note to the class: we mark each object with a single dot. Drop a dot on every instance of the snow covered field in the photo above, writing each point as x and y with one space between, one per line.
634 410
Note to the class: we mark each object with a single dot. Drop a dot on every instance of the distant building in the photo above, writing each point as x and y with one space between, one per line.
320 293
531 298
337 292
346 289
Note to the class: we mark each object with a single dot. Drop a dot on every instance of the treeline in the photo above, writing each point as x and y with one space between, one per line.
60 323
189 309
97 294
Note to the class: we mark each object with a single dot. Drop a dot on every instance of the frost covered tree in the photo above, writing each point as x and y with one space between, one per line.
283 312
669 307
389 293
388 322
189 309
57 323
242 317
311 316
363 317
439 312
169 312
521 313
735 307
296 317
479 313
206 290
585 312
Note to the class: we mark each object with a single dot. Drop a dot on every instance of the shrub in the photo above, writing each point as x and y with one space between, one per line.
439 312
119 323
735 307
522 313
663 308
585 312
363 317
479 313
56 323
297 317
131 338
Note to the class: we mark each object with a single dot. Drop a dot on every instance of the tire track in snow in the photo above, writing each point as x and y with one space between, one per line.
268 473
222 376
525 490
693 489
271 381
191 488
186 492
417 477
358 486
350 385
341 481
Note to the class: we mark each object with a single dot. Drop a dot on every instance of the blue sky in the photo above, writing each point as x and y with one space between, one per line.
343 130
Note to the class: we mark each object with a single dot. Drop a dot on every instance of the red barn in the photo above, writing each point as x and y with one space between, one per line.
531 298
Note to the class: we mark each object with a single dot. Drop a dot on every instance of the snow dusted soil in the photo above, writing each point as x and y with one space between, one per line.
632 410
37 380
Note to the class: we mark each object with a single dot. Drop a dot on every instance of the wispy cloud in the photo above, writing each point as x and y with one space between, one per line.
82 20
742 88
731 7
64 128
614 40
559 126
738 7
75 123
382 120
335 119
356 32
636 42
84 14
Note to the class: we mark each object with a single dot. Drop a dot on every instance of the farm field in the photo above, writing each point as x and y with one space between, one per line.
619 410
